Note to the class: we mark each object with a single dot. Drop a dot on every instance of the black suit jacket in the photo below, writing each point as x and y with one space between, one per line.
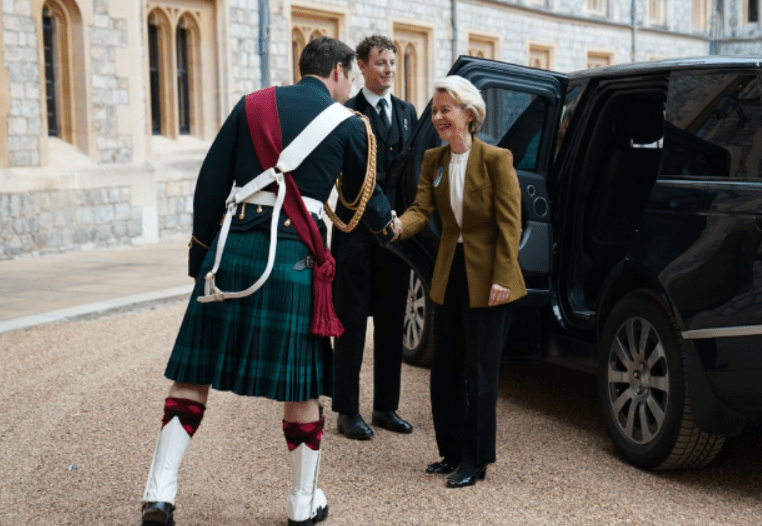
232 160
404 120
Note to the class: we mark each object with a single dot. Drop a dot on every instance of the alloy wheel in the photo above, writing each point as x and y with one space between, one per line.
415 313
638 380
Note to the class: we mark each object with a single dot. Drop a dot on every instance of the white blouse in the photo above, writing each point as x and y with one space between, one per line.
457 173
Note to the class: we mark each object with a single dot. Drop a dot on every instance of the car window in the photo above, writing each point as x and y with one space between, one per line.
713 126
570 104
514 120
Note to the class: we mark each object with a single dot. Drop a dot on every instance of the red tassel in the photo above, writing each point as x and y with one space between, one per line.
264 128
324 319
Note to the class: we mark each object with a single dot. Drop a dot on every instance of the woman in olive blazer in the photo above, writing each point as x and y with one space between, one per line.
474 188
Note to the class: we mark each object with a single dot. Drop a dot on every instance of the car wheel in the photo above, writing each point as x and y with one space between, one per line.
417 335
643 388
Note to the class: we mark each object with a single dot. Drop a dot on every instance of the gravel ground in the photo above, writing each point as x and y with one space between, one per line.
82 401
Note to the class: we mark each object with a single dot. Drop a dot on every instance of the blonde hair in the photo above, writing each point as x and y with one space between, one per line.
466 95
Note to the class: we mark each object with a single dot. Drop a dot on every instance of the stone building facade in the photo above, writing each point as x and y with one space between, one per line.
107 107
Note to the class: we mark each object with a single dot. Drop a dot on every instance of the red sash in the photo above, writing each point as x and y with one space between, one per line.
264 128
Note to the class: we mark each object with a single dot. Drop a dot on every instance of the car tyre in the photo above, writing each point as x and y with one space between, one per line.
418 331
643 389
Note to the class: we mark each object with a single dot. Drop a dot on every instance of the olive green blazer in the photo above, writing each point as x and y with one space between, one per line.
491 221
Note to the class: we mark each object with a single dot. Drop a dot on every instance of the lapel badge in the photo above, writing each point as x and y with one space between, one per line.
404 124
438 178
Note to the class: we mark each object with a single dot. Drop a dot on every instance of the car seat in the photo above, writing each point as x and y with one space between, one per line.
622 184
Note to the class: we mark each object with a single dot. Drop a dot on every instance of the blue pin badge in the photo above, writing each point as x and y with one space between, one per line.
438 178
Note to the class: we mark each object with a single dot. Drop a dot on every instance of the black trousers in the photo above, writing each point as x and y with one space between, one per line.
464 375
370 280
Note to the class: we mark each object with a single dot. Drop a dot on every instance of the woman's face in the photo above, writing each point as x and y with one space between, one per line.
450 120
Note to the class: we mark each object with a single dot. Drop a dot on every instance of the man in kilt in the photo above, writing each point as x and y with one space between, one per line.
262 344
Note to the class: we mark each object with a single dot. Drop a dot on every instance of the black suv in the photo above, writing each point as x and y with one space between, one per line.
642 224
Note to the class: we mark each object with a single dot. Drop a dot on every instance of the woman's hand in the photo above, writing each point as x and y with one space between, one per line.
498 295
398 228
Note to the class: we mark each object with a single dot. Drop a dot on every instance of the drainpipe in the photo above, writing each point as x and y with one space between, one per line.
714 29
454 16
632 23
264 54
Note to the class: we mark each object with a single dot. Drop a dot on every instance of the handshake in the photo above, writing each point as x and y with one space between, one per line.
391 232
396 226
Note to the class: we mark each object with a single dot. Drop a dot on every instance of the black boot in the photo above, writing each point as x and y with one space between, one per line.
158 514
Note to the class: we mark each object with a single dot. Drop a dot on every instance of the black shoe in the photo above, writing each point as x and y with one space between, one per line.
320 515
391 421
158 514
466 475
354 427
444 467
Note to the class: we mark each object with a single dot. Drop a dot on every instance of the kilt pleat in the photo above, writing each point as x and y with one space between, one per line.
260 345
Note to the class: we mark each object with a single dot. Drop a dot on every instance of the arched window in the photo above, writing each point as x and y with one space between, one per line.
597 7
154 79
540 56
62 39
187 44
51 67
657 12
483 46
175 73
599 59
752 14
411 82
297 43
159 66
700 15
409 72
306 21
183 86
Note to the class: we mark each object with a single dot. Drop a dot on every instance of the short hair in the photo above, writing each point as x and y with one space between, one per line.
368 43
320 56
466 95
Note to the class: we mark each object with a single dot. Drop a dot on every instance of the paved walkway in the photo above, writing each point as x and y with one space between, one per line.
44 289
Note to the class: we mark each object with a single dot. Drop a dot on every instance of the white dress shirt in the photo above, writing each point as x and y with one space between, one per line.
457 173
373 99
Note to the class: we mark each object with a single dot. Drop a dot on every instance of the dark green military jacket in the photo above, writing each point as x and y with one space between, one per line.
232 160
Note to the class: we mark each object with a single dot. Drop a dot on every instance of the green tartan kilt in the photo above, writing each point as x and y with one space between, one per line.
260 345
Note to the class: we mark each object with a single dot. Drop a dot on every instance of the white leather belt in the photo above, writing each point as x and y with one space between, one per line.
253 192
269 198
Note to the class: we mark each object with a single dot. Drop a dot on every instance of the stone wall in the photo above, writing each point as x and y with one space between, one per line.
109 91
19 37
244 48
655 44
174 200
746 47
35 223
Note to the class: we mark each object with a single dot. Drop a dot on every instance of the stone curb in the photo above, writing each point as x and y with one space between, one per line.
100 307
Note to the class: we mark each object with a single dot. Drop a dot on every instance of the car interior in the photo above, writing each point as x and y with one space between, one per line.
623 179
628 140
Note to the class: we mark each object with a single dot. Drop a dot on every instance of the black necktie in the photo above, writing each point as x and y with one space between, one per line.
384 119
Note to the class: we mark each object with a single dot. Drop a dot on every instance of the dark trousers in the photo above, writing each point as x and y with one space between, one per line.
370 280
464 375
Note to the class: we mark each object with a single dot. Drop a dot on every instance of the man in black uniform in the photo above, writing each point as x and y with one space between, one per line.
373 280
